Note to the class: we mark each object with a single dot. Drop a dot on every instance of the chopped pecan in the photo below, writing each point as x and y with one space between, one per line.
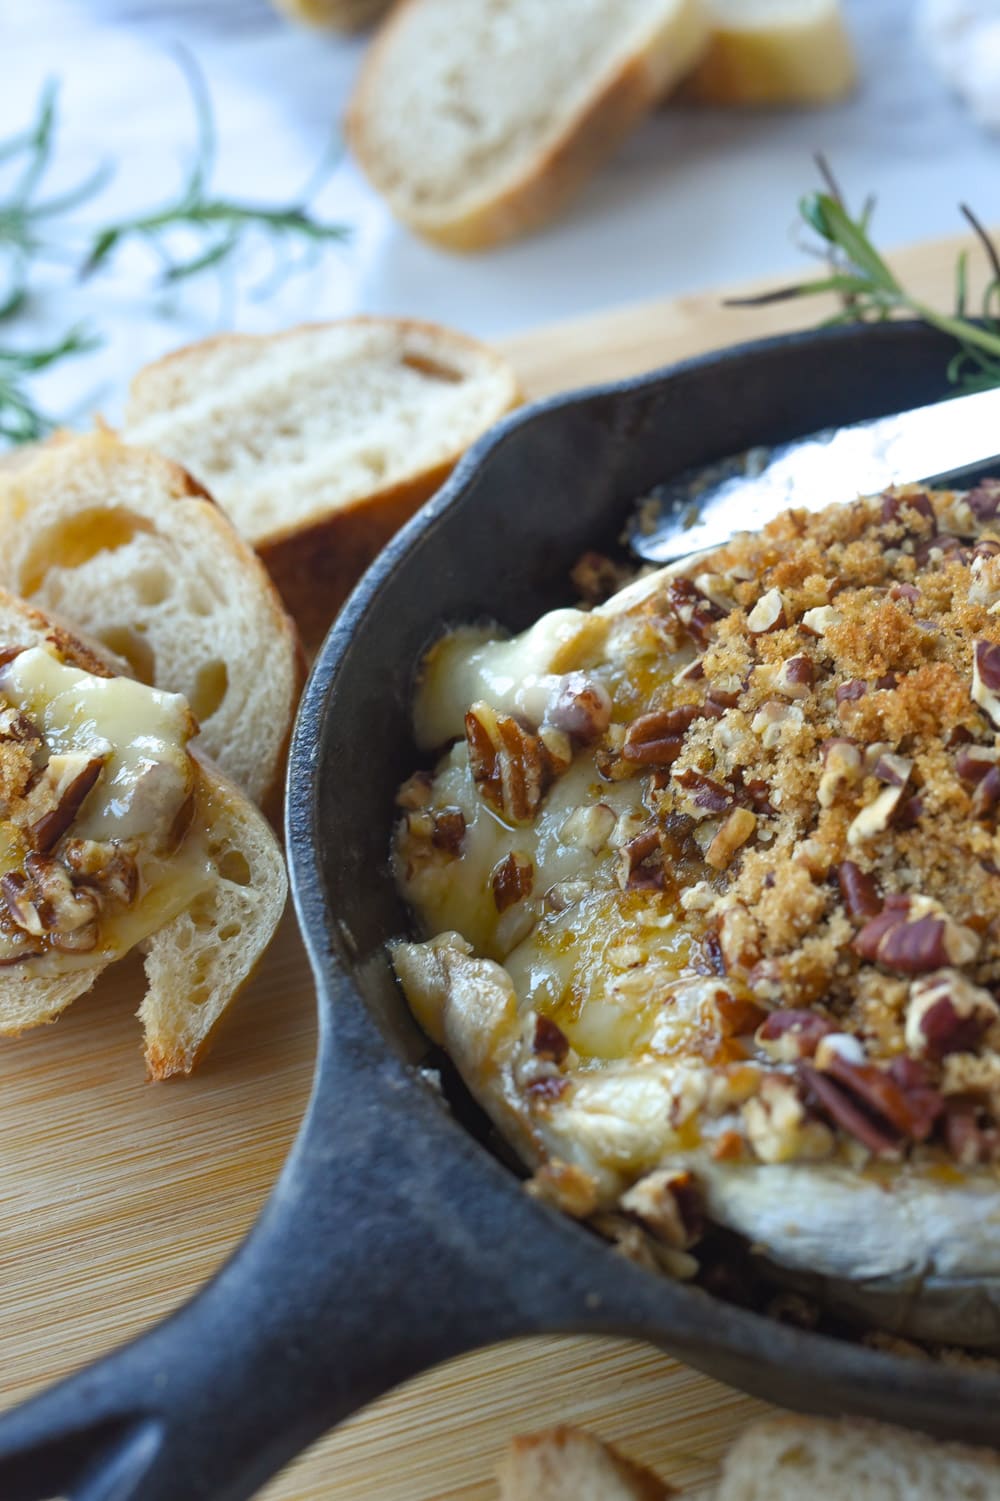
549 1040
641 862
109 868
841 767
668 1204
43 901
893 770
787 1035
984 500
696 614
973 762
512 766
416 792
734 833
947 1014
656 739
986 679
909 592
894 506
511 880
875 817
854 688
768 614
710 796
795 676
778 1125
820 620
862 897
581 707
987 794
588 827
914 935
65 782
970 1135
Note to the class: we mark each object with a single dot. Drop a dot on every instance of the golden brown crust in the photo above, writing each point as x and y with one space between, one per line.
557 174
562 1461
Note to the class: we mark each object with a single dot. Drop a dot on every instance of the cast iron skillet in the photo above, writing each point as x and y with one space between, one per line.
394 1239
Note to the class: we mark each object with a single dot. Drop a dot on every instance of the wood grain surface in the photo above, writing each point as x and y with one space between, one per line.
117 1198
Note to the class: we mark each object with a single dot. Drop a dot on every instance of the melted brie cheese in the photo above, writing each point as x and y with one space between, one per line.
148 776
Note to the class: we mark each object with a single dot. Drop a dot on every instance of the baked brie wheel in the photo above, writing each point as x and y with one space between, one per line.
711 882
113 835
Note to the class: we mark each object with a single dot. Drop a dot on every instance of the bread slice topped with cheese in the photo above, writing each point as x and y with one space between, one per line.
478 123
320 442
114 833
123 544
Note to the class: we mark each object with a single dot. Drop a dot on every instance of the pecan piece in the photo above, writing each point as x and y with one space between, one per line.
109 868
947 1014
656 739
737 829
768 614
43 901
581 707
971 1137
696 614
787 1035
641 862
984 500
448 830
511 880
841 1108
859 890
709 796
986 679
549 1040
512 766
913 936
669 1205
67 780
987 794
974 762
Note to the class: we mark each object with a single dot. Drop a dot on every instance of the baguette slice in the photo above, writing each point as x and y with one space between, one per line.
566 1464
127 547
342 15
320 442
774 52
804 1459
205 904
478 123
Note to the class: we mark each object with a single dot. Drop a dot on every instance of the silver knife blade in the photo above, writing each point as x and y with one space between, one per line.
924 445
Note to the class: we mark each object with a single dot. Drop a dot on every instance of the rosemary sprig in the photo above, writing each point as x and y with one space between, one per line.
25 214
870 292
20 419
223 223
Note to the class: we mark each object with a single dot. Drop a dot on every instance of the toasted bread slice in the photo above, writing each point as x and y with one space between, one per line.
123 544
774 52
477 127
113 834
566 1464
342 15
788 1459
320 442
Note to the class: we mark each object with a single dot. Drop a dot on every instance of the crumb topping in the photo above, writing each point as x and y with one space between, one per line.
808 720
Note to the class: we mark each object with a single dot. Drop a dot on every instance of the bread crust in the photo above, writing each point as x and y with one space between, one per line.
34 508
340 15
315 564
541 190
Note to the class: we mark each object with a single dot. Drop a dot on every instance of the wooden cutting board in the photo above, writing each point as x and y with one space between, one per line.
118 1198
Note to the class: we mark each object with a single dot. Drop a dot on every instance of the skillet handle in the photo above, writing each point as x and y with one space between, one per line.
375 1258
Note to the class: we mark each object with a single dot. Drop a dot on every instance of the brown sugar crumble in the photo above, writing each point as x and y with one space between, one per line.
811 713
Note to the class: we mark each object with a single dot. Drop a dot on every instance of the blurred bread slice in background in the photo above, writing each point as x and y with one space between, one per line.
566 1464
478 122
774 52
125 546
320 442
342 15
810 1459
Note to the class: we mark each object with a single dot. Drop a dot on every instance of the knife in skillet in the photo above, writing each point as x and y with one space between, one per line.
931 444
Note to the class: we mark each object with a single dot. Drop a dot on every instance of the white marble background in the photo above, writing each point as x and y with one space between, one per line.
695 198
